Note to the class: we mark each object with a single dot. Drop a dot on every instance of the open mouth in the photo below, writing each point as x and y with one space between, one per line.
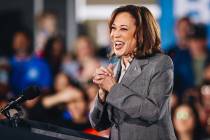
118 44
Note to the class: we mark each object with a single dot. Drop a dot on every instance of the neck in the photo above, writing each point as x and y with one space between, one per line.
126 60
21 54
79 120
186 136
182 44
198 54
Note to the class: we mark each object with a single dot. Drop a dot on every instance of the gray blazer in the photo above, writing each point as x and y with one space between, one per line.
137 108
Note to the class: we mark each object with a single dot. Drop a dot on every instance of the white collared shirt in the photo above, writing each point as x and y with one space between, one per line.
123 69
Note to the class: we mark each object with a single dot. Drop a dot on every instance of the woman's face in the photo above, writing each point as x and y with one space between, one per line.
123 34
57 48
77 106
61 82
184 119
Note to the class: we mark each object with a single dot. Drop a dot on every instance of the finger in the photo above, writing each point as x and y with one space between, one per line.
100 72
106 71
98 82
110 68
98 77
103 71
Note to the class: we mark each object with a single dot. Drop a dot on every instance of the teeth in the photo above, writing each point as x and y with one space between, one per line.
118 43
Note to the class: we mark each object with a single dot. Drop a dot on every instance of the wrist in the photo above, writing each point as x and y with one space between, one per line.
102 95
110 87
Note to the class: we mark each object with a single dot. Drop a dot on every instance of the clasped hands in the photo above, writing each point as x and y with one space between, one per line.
104 77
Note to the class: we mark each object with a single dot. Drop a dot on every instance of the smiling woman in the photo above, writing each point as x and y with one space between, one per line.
138 28
133 99
122 35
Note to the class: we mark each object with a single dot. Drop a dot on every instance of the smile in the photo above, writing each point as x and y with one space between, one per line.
118 44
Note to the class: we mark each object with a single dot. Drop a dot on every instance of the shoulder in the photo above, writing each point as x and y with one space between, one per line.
161 62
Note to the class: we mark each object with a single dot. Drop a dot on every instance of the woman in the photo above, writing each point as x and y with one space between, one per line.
53 53
133 98
187 123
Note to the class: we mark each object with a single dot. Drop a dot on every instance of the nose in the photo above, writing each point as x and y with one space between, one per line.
116 34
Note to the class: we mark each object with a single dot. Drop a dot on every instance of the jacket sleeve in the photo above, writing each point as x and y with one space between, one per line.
152 107
98 116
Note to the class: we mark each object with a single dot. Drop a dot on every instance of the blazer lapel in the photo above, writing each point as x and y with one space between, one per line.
133 71
117 70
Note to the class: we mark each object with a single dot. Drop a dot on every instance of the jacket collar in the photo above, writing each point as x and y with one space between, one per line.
132 72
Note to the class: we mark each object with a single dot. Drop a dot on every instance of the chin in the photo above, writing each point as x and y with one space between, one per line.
119 53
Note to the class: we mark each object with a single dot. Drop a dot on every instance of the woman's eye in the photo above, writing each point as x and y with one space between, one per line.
113 28
124 29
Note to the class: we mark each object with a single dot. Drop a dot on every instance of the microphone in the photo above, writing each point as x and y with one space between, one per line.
27 94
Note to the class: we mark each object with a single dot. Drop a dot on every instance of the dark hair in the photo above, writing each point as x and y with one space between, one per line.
54 62
198 132
27 35
183 19
49 46
197 31
147 29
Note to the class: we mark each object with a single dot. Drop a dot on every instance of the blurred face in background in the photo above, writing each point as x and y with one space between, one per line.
123 34
77 107
205 96
182 28
2 104
61 82
92 90
20 42
184 119
173 100
57 48
89 66
84 48
197 46
49 23
206 73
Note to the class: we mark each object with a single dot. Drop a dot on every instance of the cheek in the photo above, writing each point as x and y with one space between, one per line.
111 36
131 44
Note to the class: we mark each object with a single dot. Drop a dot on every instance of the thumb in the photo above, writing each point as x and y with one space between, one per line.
110 68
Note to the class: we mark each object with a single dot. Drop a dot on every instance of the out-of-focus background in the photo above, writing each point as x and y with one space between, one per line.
57 45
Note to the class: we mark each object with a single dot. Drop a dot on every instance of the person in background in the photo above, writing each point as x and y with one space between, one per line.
192 96
85 62
62 85
205 99
54 51
182 28
75 101
206 73
77 107
174 101
189 64
50 113
27 69
84 48
5 93
91 90
186 123
46 25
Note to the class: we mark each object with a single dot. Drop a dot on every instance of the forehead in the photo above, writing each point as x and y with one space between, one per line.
184 109
124 18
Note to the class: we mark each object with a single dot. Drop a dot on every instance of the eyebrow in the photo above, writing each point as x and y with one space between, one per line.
120 25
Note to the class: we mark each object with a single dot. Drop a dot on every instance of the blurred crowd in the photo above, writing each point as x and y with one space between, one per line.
65 77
